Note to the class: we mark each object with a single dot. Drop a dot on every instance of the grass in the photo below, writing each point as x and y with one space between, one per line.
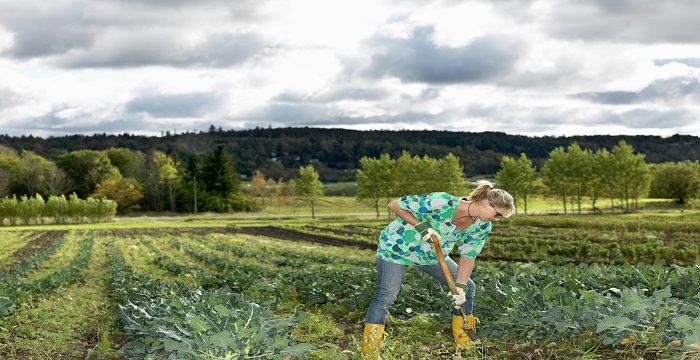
11 242
60 260
74 322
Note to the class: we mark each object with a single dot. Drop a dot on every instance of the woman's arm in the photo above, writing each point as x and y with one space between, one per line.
464 270
404 214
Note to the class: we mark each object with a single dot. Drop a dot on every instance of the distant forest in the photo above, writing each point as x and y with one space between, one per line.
336 153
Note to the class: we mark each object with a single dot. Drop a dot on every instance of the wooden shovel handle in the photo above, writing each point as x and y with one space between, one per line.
443 265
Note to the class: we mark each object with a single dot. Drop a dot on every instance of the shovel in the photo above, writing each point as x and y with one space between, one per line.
451 284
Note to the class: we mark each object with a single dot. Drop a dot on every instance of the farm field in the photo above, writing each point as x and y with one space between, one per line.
586 287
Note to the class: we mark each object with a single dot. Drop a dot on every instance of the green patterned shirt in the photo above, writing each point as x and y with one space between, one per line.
400 243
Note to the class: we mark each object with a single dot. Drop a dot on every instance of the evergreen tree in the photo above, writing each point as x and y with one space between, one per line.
219 175
190 188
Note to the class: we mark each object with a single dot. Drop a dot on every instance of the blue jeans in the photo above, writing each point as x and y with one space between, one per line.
389 278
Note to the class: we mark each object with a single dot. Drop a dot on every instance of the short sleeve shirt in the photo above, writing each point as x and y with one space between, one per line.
400 243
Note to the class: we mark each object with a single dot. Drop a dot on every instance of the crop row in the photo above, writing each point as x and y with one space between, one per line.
14 289
11 242
650 304
575 245
169 320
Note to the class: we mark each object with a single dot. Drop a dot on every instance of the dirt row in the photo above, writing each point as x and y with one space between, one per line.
34 246
277 233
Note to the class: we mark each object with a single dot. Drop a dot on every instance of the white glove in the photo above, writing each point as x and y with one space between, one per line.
459 298
428 235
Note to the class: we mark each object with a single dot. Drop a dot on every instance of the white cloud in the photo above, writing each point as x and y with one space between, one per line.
540 67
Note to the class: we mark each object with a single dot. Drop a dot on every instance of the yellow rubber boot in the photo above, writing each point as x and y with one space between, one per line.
463 338
372 340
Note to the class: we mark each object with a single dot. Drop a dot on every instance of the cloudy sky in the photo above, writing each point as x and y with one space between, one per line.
553 67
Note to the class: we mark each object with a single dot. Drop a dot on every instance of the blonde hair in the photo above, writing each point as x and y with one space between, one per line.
498 197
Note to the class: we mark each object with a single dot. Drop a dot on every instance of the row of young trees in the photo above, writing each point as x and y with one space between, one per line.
620 175
572 174
381 179
56 209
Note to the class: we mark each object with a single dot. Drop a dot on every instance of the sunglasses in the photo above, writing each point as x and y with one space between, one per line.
498 215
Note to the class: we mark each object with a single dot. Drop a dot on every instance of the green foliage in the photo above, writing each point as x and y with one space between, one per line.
280 151
679 181
517 177
126 192
307 187
374 179
36 210
86 169
384 178
164 320
130 163
15 290
218 173
573 173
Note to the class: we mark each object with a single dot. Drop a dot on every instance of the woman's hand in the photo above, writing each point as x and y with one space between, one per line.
426 232
459 298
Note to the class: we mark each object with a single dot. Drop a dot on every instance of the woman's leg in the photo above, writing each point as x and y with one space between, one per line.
436 272
389 278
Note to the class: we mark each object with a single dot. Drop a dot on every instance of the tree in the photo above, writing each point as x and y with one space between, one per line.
450 177
10 166
607 173
5 180
678 181
219 173
125 191
56 181
190 188
307 187
554 175
374 179
86 169
579 173
130 163
166 169
633 176
517 177
260 187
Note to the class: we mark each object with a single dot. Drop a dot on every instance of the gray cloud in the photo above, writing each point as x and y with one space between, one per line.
53 124
217 50
336 94
8 98
120 34
320 115
638 21
692 62
659 90
174 105
42 32
644 118
239 9
352 93
418 59
427 94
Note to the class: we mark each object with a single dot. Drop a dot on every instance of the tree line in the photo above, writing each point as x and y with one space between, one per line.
136 181
156 181
571 173
336 153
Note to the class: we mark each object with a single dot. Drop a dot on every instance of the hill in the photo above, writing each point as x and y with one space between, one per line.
336 152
